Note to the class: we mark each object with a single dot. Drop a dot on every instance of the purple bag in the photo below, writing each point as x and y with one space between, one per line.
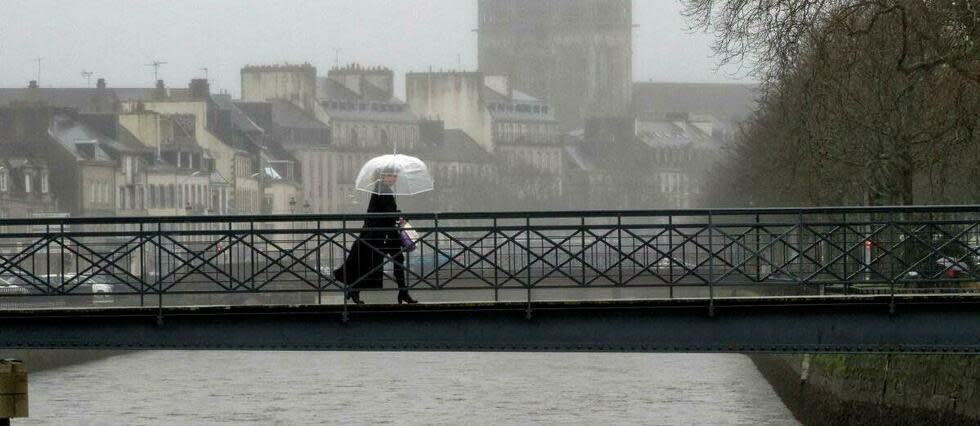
409 236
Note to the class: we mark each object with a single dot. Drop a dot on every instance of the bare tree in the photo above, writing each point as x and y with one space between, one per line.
870 102
780 33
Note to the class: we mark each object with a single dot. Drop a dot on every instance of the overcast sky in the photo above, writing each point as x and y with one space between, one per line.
115 39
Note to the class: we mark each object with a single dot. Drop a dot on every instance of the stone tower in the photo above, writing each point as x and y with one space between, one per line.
575 54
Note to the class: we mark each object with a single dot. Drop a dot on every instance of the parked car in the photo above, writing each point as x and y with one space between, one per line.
952 268
425 263
949 267
8 286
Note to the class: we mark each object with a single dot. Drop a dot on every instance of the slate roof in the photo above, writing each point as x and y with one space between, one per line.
328 89
457 147
149 94
239 119
352 110
285 114
85 100
667 133
15 152
71 134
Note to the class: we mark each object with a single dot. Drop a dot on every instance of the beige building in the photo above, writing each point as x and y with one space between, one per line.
518 129
180 177
190 142
331 124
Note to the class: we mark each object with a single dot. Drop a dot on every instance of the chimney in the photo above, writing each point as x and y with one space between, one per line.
100 84
161 90
32 84
200 89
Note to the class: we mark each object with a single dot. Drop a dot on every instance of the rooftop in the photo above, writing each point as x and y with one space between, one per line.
85 100
457 147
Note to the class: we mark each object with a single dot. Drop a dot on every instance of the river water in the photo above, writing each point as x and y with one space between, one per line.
311 388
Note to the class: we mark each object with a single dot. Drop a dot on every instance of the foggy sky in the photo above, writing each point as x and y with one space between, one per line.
115 39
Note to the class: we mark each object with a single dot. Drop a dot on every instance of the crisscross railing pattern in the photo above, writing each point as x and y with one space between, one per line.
494 256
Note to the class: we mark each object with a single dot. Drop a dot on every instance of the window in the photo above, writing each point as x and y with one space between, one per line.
3 180
44 183
27 183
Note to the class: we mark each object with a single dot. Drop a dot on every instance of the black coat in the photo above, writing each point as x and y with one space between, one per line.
372 246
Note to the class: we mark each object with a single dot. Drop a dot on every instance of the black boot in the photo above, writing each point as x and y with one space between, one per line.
355 296
404 297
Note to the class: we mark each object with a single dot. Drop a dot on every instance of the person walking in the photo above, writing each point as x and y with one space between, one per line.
379 239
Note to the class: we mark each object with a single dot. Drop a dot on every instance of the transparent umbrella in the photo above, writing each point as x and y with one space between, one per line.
413 175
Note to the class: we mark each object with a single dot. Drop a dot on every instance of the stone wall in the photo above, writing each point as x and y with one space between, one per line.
877 389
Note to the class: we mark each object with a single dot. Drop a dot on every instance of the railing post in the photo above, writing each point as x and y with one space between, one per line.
711 266
847 249
343 234
758 250
670 255
61 238
527 241
142 264
891 278
251 246
47 253
319 274
436 264
799 252
619 243
496 263
231 257
581 252
159 280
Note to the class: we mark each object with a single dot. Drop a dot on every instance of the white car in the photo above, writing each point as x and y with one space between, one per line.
7 287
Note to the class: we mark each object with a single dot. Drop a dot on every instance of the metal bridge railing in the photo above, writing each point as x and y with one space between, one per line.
495 256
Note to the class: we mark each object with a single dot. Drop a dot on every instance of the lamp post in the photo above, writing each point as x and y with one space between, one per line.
177 191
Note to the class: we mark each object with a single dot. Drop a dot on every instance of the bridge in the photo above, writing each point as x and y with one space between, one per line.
865 279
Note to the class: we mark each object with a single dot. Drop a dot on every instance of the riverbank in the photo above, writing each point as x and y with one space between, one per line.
48 359
876 389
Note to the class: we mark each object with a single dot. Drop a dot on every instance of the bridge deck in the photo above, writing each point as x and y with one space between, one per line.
907 323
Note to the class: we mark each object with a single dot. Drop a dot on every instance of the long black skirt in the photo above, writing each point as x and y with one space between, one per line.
363 266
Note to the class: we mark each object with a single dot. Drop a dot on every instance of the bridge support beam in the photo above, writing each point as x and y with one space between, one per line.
921 324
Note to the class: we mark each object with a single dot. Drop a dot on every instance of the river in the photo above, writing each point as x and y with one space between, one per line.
311 388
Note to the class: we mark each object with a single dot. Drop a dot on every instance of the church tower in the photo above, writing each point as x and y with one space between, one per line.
574 54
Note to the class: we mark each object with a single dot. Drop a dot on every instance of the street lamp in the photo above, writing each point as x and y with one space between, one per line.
177 191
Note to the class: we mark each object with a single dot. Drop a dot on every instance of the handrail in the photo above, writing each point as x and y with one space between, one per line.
968 208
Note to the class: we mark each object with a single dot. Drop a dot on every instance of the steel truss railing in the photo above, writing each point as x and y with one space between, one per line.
506 256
